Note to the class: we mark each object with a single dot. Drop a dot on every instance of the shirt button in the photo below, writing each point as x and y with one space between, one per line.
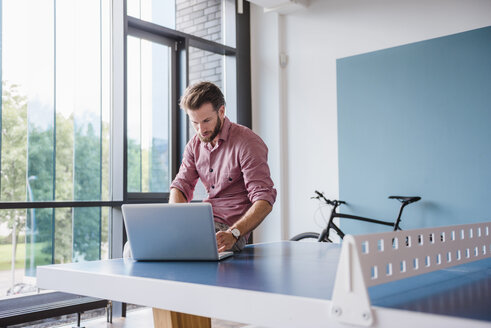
211 170
212 187
229 179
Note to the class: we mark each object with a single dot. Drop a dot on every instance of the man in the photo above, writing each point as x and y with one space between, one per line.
231 161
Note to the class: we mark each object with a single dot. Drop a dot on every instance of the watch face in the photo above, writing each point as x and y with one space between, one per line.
236 233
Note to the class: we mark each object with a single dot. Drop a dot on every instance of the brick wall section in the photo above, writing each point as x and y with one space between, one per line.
202 18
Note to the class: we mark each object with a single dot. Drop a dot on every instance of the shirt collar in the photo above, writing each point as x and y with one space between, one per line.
225 129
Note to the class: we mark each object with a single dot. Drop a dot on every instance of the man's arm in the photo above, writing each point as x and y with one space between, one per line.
182 187
176 196
251 219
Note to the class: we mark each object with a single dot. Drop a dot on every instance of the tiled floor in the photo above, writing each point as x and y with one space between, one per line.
140 318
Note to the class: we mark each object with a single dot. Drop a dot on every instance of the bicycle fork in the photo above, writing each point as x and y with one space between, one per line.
325 233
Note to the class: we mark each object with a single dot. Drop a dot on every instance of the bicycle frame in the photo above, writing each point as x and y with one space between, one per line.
331 225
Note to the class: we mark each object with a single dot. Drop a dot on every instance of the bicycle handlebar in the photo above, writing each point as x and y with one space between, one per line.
335 202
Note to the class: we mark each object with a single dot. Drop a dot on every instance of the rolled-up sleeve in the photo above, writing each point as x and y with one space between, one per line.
256 173
187 177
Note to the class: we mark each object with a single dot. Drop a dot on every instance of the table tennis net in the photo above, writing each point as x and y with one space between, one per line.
395 255
369 260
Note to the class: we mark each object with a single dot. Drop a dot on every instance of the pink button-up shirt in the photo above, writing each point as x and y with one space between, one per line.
235 172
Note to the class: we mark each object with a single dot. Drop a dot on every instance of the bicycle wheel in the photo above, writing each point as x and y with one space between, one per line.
307 237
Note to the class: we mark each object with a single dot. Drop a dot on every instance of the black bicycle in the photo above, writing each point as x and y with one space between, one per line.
324 235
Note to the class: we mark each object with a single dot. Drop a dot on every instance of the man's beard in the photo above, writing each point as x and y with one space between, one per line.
215 132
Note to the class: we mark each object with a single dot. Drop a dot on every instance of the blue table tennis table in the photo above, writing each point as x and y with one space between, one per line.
288 284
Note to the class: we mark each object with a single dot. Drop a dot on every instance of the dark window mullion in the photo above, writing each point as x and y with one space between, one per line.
58 204
181 131
243 61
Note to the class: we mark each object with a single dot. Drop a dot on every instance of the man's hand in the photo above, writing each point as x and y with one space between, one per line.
225 240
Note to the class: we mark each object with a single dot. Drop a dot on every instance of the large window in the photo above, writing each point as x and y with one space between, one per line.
149 103
55 110
90 118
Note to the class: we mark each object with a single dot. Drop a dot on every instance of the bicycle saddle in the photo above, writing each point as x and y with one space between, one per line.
405 199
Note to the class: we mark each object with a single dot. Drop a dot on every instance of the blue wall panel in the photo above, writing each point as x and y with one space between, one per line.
416 120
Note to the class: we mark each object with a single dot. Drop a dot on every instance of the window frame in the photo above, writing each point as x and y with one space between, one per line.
143 197
179 121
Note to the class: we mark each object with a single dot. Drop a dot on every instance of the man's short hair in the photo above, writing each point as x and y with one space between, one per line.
201 93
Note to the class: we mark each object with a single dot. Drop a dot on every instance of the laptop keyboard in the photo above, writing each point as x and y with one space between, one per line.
222 255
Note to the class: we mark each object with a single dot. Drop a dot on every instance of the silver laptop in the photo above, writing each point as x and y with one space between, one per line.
172 232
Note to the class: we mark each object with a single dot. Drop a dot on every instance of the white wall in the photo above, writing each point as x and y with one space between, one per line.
295 109
265 95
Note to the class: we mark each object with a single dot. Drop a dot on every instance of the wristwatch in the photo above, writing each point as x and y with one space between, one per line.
235 232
